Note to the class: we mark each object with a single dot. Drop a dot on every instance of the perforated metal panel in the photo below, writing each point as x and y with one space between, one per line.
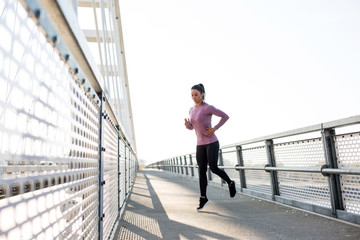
307 187
230 159
122 195
127 170
256 180
110 204
49 139
348 156
134 166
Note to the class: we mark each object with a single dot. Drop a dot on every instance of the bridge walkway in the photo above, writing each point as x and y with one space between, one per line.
163 206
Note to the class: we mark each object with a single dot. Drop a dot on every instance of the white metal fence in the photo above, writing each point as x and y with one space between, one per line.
66 165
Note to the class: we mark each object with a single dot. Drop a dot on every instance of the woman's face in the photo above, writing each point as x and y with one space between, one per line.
196 96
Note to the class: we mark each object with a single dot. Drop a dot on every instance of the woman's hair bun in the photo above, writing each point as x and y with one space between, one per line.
202 86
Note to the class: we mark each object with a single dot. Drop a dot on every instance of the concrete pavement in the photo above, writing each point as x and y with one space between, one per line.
163 206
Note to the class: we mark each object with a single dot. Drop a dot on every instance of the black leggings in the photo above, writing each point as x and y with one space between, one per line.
209 154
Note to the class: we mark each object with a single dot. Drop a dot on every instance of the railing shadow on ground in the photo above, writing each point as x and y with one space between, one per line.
149 215
162 227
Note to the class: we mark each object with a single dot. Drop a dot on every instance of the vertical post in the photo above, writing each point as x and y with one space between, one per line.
333 179
241 164
177 165
101 167
129 167
221 163
273 174
186 168
192 167
125 168
119 173
208 173
182 167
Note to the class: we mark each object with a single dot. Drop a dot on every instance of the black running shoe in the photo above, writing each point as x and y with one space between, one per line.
203 203
232 189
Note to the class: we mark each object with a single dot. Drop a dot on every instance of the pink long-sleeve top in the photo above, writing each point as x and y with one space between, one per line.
200 120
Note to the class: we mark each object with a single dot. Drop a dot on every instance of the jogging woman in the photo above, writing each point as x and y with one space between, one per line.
207 149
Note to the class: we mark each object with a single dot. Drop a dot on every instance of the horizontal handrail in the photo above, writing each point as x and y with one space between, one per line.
323 169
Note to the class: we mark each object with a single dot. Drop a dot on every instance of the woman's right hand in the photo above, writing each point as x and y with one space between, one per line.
187 123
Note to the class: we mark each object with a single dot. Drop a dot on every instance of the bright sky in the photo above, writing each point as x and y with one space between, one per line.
272 66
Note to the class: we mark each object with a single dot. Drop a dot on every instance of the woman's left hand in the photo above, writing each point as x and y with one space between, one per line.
209 132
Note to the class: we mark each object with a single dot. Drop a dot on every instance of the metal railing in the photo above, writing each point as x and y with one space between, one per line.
67 165
316 168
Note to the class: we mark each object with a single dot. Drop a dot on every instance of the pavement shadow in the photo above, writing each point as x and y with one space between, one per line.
145 222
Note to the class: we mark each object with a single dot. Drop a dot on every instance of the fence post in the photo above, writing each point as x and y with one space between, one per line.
209 174
129 167
221 163
177 170
241 164
182 167
334 179
271 162
125 168
119 173
101 167
192 166
186 168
